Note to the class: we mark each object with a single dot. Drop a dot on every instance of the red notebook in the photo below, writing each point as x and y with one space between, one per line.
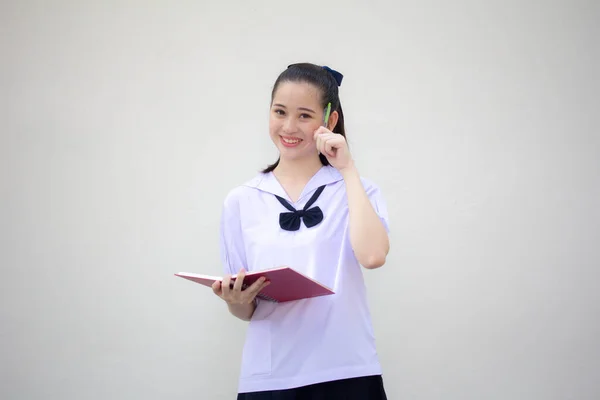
286 284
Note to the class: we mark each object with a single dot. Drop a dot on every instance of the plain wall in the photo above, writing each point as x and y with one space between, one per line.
124 124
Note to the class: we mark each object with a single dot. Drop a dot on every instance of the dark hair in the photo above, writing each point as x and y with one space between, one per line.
327 85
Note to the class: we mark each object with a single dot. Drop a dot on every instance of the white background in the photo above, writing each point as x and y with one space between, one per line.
124 124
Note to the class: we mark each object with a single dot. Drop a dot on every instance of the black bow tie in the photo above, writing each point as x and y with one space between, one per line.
290 221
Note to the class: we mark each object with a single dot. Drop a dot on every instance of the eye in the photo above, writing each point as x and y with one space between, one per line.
305 116
279 111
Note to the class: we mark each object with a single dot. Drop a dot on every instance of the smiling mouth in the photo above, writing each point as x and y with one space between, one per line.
291 140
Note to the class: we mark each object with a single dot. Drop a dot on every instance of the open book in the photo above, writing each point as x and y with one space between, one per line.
286 284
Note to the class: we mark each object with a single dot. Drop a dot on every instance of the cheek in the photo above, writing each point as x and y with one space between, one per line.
309 132
273 127
309 139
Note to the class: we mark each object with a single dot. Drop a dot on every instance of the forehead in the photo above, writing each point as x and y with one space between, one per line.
297 93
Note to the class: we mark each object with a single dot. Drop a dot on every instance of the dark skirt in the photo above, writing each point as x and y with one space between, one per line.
363 388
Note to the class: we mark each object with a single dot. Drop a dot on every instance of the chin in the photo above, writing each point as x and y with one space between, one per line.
295 156
290 155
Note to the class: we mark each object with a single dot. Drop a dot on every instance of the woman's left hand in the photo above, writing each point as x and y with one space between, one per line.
334 147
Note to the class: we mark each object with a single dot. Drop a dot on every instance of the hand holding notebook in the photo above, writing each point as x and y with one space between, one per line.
279 285
235 292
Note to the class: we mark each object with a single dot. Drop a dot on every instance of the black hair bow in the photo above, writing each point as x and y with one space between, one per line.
336 75
290 221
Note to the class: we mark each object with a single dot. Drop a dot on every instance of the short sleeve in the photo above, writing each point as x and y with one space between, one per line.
378 202
232 251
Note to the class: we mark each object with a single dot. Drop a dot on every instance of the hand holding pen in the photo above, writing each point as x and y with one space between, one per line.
332 145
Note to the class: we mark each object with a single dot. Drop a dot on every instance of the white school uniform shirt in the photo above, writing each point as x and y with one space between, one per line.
306 341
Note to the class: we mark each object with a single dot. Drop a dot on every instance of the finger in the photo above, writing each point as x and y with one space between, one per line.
319 133
256 287
321 140
319 145
257 291
329 150
225 290
324 137
216 287
331 144
321 130
333 138
239 281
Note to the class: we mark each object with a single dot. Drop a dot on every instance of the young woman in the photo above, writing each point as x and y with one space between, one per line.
324 347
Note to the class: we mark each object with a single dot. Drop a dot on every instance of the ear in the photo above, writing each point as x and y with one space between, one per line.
333 119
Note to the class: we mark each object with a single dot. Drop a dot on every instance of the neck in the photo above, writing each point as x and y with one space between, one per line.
297 170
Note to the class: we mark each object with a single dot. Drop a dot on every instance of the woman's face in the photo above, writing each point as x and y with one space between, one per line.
296 113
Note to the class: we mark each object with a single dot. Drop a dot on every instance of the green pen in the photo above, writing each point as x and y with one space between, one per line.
326 118
327 113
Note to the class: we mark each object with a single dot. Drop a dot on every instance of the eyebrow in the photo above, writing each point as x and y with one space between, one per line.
299 108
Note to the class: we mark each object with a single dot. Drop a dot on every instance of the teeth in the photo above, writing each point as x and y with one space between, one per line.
291 141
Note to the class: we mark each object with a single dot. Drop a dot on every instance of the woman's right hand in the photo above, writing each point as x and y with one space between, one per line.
236 295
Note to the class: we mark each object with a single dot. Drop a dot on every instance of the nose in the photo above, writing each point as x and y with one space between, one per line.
289 125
